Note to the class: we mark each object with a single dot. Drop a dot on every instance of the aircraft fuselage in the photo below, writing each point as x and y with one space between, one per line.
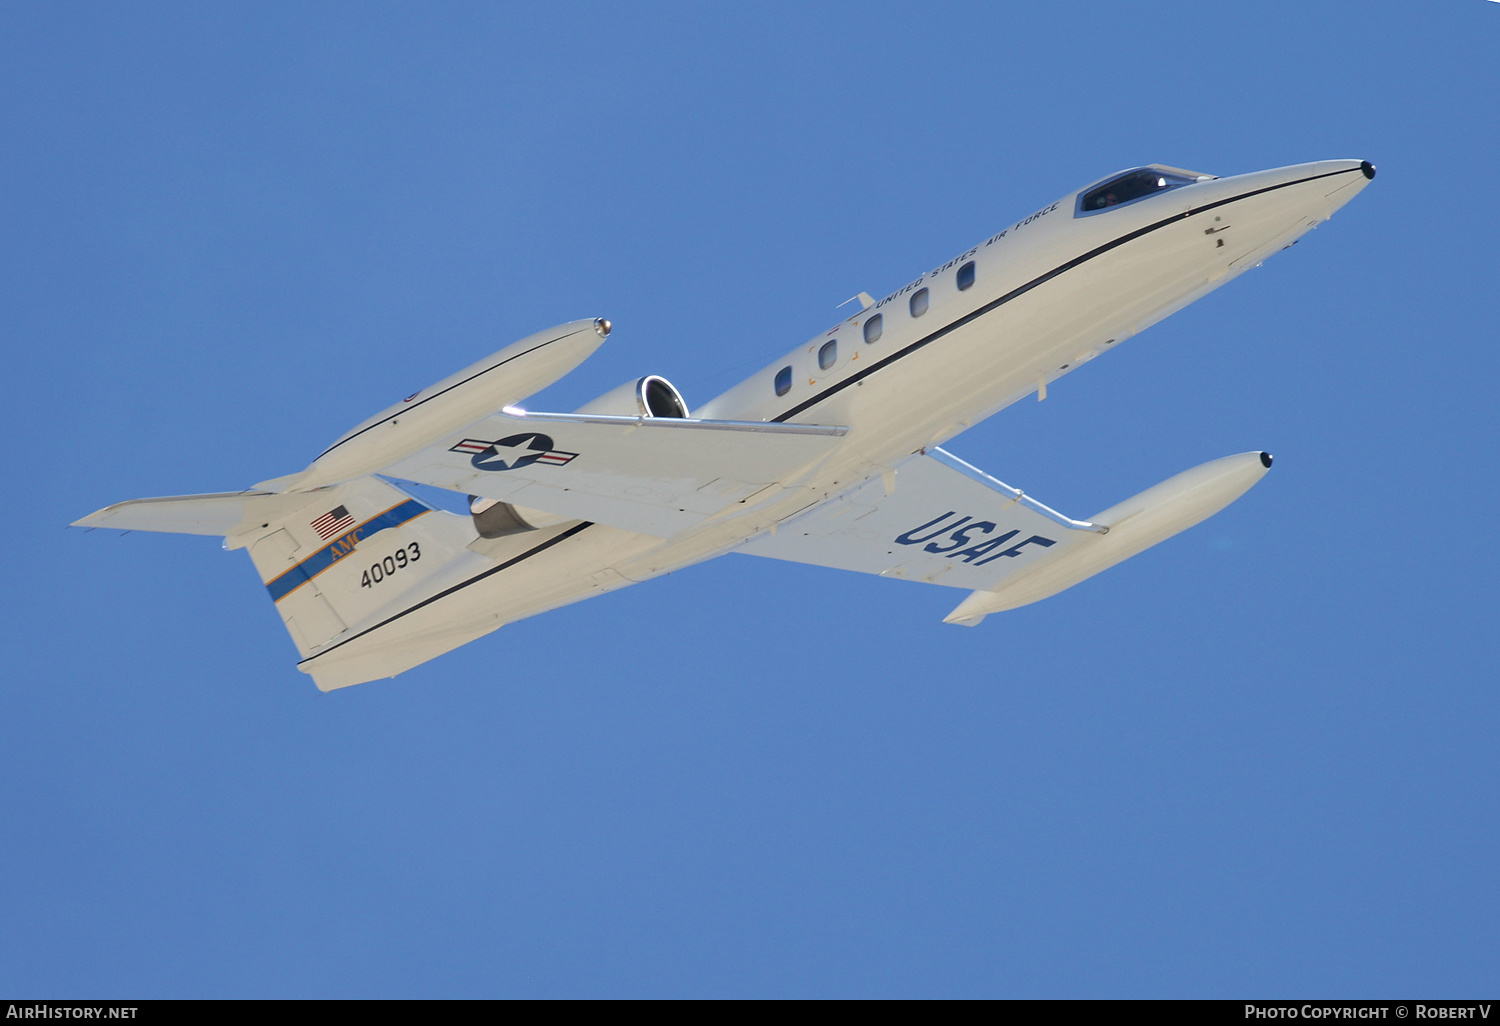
995 324
1051 292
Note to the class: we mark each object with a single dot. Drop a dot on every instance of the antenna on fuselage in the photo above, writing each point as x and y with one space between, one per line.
865 301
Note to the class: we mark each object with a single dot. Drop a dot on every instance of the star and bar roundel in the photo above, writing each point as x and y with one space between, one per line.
513 452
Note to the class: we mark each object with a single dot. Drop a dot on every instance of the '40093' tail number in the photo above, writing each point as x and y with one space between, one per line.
388 566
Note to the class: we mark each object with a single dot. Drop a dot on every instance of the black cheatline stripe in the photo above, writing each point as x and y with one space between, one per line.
445 391
1022 290
570 532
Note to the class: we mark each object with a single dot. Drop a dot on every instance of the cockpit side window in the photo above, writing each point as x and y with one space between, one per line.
1128 188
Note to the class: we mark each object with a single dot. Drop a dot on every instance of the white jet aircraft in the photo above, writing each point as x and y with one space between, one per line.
828 456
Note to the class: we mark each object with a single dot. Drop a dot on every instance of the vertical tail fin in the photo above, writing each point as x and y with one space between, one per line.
327 557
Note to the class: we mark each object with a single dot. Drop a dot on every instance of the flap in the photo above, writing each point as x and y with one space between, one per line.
653 475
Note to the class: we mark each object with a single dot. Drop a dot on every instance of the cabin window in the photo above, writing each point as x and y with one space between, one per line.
1139 184
829 354
873 327
965 276
783 381
919 302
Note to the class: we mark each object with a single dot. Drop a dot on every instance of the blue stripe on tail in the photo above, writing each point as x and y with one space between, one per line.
325 557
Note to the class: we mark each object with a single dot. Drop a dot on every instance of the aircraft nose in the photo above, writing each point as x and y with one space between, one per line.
1350 185
1274 208
1320 189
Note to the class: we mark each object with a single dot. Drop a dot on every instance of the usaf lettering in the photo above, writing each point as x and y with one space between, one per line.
959 536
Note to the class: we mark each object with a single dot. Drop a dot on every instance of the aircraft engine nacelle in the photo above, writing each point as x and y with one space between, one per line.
496 519
425 416
651 396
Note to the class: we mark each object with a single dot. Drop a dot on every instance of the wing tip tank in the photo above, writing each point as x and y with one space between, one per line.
1136 524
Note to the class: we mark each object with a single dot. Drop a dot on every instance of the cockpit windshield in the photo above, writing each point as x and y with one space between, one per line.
1131 186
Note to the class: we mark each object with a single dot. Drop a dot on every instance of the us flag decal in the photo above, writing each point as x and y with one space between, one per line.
333 522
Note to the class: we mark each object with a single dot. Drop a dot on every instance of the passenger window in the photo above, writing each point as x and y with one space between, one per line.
966 276
783 381
918 305
873 327
829 354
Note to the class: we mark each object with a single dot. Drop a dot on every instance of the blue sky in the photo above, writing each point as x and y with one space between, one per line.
1259 759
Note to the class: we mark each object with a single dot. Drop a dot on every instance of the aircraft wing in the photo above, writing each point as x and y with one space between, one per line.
653 475
943 522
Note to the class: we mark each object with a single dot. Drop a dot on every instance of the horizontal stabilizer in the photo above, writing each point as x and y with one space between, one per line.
653 475
1134 525
221 513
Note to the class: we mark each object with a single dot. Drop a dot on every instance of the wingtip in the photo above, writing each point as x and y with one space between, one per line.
93 519
964 615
